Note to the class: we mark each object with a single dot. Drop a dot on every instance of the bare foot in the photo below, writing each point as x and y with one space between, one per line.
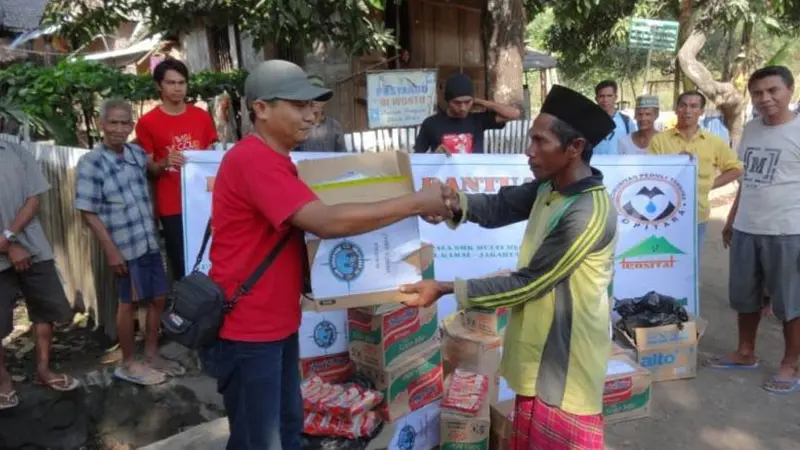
166 366
57 382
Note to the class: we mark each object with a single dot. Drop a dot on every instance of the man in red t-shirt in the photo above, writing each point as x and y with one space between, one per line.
257 199
174 126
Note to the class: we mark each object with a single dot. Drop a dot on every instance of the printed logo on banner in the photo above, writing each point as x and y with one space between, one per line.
652 253
346 261
325 334
406 438
650 200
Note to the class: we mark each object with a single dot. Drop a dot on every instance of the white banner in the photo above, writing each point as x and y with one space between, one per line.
400 98
654 196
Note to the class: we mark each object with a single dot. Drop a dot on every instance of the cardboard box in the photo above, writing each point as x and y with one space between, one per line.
385 340
469 350
669 352
323 333
418 430
501 419
364 270
458 431
468 432
331 368
409 386
491 322
627 390
617 349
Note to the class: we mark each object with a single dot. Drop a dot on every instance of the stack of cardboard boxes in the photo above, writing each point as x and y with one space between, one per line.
396 348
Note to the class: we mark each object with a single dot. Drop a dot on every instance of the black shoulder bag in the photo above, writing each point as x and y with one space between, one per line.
197 304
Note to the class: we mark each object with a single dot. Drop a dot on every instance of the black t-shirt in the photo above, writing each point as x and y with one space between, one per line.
456 135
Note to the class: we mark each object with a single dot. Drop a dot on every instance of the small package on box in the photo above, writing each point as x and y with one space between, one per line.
361 426
367 269
465 392
466 418
335 368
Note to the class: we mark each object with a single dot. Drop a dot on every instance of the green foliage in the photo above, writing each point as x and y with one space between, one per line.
349 23
65 98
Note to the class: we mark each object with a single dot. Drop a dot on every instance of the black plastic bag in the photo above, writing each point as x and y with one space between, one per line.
650 310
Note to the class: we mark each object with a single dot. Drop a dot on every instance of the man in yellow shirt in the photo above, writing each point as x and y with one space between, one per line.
711 153
557 345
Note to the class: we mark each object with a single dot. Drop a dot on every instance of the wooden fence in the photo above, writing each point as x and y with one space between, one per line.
88 281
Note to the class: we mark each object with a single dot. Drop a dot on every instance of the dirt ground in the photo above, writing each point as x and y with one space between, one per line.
719 409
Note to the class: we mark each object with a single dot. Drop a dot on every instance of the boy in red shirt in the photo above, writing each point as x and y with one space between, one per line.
174 126
258 199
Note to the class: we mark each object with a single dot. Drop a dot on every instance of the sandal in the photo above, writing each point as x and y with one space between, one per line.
60 383
726 363
168 367
782 385
9 400
144 376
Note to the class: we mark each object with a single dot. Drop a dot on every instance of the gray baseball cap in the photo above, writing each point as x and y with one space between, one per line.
277 79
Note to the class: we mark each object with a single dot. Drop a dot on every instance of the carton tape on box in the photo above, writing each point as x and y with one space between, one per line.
626 393
669 351
386 340
409 386
363 270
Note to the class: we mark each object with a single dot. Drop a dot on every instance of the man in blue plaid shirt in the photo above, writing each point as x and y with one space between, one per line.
113 197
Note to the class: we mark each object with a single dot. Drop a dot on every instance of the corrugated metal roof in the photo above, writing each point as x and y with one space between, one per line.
536 60
21 15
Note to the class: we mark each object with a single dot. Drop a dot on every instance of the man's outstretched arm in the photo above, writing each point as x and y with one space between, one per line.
586 227
511 204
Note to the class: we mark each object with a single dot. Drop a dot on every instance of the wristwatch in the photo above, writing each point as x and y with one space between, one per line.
10 236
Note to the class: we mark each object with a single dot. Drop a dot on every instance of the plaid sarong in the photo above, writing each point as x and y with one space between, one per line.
538 426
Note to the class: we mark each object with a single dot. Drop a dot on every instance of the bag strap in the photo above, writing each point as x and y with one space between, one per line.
252 279
206 238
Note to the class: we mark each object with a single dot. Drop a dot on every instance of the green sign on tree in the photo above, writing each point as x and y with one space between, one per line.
653 34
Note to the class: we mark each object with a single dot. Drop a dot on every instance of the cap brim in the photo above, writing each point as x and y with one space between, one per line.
307 93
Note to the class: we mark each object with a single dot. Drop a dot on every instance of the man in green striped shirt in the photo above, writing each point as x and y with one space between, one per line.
557 344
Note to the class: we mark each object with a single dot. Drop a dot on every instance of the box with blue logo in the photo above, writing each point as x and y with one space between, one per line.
669 351
367 269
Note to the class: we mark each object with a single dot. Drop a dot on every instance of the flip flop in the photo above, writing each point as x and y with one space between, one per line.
782 385
725 363
168 367
9 400
146 377
60 383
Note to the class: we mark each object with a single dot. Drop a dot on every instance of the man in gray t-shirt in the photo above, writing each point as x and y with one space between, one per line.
763 227
327 134
27 267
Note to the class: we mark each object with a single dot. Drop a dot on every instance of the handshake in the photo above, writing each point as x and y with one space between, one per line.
437 202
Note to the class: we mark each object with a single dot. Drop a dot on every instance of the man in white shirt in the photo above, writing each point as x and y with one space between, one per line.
763 227
606 96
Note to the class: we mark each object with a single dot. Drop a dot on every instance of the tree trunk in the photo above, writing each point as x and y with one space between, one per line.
685 28
504 40
728 100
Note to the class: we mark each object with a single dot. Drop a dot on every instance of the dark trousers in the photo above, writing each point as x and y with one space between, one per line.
260 386
172 229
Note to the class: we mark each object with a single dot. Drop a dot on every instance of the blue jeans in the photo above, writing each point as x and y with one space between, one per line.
260 386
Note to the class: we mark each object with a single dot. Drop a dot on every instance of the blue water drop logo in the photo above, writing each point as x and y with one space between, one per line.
651 207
